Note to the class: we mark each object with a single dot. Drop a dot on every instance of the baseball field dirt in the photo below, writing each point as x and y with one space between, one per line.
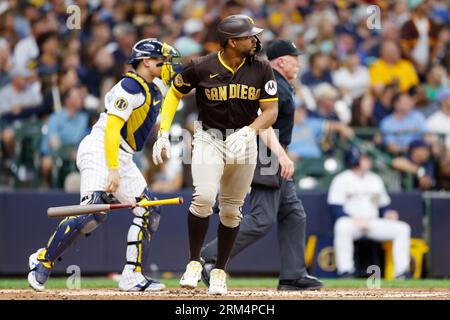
104 288
234 294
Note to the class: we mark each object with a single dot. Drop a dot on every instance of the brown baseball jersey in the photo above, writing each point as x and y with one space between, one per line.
227 98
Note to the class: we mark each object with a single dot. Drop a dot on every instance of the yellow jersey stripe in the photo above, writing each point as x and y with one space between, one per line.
226 66
268 99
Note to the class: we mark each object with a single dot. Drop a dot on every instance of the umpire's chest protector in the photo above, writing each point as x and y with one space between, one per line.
143 117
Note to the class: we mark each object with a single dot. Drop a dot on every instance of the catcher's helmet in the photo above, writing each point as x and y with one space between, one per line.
353 156
153 48
236 26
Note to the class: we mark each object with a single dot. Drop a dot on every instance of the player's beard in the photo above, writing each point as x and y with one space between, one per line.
250 53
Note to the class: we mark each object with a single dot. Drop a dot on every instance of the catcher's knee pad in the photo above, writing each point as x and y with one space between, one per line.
202 203
71 228
90 222
144 225
149 217
230 216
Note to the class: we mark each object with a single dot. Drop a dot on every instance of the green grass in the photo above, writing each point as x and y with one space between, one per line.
91 283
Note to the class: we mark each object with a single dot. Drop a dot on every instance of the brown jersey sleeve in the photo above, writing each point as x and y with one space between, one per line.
268 84
186 80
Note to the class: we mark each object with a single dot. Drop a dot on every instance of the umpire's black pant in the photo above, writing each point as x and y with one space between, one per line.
269 205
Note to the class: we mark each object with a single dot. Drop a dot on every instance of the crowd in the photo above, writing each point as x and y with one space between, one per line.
390 77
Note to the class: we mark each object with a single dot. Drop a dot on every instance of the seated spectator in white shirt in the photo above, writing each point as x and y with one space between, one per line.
352 79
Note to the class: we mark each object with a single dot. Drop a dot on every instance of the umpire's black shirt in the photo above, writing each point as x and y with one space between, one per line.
286 109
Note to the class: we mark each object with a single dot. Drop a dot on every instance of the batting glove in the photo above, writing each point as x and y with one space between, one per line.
237 142
161 144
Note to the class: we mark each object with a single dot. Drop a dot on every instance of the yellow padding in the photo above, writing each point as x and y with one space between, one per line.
418 249
309 250
168 109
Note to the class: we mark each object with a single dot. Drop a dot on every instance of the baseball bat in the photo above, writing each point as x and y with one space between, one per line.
78 210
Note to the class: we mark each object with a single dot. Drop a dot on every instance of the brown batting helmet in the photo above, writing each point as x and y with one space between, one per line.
236 26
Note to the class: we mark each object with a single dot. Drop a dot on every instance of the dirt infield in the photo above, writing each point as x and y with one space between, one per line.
234 294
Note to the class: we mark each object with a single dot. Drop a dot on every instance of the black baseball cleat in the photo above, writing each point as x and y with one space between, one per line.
206 271
304 283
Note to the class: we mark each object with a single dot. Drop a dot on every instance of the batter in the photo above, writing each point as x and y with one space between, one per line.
231 86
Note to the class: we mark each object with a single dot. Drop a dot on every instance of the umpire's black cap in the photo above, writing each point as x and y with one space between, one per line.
279 48
236 26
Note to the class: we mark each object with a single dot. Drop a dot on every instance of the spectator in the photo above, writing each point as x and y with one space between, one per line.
391 68
389 32
48 60
421 102
325 96
5 62
27 51
100 34
310 132
362 111
65 128
345 25
319 70
442 46
7 28
418 161
212 19
325 39
383 103
434 82
27 12
189 44
359 205
125 35
16 97
439 122
399 13
352 79
403 126
101 69
419 36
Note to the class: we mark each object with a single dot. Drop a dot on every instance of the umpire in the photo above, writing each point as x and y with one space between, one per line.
273 198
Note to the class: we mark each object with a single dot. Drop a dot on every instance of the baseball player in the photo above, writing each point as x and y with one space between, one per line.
105 161
360 204
273 198
231 86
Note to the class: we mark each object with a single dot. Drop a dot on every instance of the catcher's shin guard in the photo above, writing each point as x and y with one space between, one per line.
72 228
144 225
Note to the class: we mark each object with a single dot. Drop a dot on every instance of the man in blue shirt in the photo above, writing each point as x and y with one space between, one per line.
65 128
309 132
402 126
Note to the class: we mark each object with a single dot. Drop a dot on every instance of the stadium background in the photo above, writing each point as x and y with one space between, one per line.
37 170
